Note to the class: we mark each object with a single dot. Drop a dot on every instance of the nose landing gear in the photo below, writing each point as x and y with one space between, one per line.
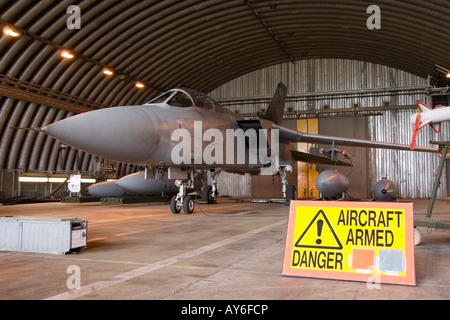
182 200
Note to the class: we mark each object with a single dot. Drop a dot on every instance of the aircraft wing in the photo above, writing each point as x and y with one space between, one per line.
289 135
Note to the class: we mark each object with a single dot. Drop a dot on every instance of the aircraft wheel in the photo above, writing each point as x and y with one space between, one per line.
291 194
207 194
188 204
173 205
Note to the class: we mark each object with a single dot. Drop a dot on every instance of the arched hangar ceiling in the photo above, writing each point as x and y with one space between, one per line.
198 44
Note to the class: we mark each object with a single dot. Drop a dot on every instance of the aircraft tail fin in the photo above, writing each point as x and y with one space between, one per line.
425 108
422 106
275 110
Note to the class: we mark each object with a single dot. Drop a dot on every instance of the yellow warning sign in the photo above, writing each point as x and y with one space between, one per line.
351 241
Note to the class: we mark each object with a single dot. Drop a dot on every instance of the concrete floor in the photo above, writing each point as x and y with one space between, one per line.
226 251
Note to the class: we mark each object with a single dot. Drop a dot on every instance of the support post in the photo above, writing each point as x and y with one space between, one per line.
437 179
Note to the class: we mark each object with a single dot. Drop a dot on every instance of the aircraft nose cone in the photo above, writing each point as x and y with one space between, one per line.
126 134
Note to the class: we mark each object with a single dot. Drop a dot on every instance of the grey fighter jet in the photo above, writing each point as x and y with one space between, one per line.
186 131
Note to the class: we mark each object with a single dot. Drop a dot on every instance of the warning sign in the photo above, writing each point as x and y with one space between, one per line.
361 241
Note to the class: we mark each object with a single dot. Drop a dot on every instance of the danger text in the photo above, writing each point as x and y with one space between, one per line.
317 259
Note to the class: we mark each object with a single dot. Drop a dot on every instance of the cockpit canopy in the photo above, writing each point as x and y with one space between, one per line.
185 98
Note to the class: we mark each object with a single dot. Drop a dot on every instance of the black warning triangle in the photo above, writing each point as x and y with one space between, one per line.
335 244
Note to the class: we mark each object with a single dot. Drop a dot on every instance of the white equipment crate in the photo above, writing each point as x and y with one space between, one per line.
43 235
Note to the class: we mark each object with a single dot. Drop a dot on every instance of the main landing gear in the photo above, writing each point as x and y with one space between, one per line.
289 191
209 192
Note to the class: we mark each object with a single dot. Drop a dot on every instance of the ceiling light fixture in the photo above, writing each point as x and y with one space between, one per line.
139 84
9 31
66 54
107 72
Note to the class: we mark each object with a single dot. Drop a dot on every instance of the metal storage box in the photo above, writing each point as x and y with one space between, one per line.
43 235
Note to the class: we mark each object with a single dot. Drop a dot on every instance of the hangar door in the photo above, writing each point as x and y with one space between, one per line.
350 127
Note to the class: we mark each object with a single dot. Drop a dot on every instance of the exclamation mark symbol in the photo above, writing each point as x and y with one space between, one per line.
319 231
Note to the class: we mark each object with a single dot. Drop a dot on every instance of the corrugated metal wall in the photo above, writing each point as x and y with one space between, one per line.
413 172
338 83
234 185
322 83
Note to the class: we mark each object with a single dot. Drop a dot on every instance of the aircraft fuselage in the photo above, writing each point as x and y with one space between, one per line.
164 135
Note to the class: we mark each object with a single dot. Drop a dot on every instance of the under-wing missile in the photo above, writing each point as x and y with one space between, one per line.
426 115
131 185
332 184
107 189
137 183
384 190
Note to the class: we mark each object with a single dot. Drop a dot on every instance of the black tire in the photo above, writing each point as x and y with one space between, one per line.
188 204
207 194
291 194
173 205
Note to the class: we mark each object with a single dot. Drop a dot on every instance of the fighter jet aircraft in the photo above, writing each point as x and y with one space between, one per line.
185 130
426 115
